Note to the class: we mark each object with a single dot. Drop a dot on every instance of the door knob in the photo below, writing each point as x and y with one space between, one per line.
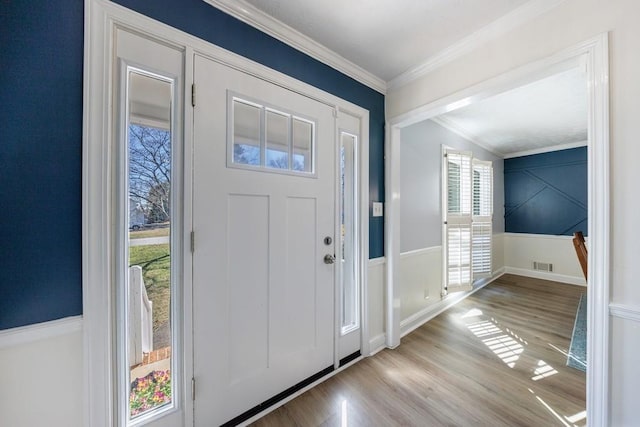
329 259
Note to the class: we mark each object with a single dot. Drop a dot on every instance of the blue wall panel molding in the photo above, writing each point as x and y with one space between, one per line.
41 48
546 193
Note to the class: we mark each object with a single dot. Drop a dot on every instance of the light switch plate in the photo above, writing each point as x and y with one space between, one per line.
378 208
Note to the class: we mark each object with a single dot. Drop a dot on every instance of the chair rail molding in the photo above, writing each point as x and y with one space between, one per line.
624 311
40 331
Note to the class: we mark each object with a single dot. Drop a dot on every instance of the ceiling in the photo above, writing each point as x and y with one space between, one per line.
545 113
386 38
385 44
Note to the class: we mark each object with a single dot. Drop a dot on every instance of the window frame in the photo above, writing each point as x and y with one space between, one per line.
464 222
265 107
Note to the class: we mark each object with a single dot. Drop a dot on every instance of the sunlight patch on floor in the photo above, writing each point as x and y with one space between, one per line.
572 420
474 312
577 417
503 345
543 370
559 350
344 422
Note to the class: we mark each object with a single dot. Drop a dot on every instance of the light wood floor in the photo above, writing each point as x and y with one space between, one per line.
495 359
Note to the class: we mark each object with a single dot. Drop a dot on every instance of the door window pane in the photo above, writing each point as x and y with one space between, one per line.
277 140
246 133
302 145
269 139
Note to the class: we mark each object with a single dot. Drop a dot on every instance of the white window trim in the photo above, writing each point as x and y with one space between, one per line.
101 17
596 53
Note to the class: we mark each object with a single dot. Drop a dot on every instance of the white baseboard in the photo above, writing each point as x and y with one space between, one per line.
418 319
39 331
572 280
377 344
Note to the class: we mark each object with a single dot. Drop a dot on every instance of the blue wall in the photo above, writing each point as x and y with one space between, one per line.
546 193
41 46
40 160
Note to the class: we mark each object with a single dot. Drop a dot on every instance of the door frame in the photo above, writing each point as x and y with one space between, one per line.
99 183
595 53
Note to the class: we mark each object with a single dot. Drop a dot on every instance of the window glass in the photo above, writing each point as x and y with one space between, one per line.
277 140
148 290
348 267
269 139
246 133
302 144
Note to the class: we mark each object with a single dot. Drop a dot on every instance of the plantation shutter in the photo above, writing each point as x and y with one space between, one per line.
481 228
458 221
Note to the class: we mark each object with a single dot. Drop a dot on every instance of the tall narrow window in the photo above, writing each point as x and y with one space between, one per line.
348 274
147 374
468 212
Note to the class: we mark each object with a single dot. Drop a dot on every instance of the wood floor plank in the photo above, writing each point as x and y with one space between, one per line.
498 358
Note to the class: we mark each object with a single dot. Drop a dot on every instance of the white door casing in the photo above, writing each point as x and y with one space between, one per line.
263 308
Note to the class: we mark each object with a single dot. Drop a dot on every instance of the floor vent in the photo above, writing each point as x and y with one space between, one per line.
543 266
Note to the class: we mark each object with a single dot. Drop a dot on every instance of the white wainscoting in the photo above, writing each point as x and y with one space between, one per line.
41 375
625 369
521 250
421 276
420 280
376 304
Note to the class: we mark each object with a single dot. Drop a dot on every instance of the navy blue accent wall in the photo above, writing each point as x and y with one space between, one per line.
546 193
41 48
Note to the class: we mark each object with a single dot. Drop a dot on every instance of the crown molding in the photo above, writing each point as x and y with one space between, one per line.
253 16
500 26
450 125
547 149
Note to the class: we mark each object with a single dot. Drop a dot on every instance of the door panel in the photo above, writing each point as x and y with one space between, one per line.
263 299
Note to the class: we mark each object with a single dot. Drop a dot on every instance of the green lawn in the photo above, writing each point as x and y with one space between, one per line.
156 265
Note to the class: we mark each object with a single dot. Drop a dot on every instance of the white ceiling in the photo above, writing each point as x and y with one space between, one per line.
386 38
546 113
385 43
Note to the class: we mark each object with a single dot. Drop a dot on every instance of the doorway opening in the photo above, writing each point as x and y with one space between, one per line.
593 55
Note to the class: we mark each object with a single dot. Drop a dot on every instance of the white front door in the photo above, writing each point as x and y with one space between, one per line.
264 201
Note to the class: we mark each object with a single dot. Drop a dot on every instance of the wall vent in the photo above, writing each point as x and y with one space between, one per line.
543 266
